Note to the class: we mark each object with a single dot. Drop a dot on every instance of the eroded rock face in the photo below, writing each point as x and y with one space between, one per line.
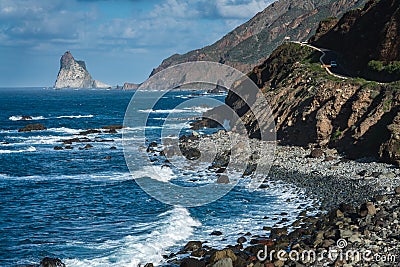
73 74
358 118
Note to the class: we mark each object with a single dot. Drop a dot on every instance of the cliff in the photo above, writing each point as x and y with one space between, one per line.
357 117
73 74
251 43
368 39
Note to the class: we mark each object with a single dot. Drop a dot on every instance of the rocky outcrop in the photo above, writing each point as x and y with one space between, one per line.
130 86
251 43
363 35
73 74
33 127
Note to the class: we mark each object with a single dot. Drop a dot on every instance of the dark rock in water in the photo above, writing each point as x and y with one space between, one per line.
199 253
149 265
192 246
242 240
113 148
112 131
50 262
217 233
90 131
375 174
107 158
113 127
33 127
317 153
88 146
191 153
362 173
69 147
190 262
58 148
250 169
220 170
76 140
223 179
26 118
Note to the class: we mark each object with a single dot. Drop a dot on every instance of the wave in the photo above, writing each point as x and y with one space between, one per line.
29 149
25 118
159 173
170 229
75 116
177 110
33 118
103 176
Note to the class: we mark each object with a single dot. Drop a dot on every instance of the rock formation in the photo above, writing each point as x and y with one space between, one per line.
251 43
73 74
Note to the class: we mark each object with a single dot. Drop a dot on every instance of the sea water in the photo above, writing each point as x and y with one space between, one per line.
84 206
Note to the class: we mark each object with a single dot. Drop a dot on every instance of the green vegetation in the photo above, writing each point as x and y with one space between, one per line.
379 66
336 135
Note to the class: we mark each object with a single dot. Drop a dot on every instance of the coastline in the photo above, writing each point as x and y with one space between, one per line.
359 205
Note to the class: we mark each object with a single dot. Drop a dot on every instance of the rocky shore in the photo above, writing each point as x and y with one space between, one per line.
359 207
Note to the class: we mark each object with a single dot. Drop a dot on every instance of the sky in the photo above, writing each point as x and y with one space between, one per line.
120 40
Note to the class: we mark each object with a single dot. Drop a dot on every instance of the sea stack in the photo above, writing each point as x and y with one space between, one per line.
73 74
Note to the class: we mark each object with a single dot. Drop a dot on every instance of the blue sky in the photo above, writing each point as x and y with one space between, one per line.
120 40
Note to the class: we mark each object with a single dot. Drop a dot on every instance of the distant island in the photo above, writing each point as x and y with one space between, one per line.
73 74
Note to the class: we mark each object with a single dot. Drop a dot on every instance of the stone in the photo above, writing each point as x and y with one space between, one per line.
58 148
33 127
222 254
192 246
113 148
279 263
227 262
242 240
216 233
190 262
317 153
50 262
223 179
397 190
90 131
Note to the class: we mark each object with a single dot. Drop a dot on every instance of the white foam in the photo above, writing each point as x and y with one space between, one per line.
65 130
29 149
75 116
20 118
177 110
170 229
159 173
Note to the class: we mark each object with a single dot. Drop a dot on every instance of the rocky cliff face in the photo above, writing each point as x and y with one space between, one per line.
362 35
251 43
73 74
359 118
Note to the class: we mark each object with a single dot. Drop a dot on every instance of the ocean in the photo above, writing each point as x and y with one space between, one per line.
85 206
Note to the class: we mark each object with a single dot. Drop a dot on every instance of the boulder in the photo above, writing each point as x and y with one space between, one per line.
223 179
317 153
58 148
397 190
90 131
113 127
190 262
216 233
223 263
222 254
26 118
192 246
33 127
50 262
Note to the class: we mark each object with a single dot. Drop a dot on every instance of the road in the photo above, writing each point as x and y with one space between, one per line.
325 59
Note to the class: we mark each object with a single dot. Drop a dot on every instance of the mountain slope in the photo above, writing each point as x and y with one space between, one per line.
359 118
252 42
